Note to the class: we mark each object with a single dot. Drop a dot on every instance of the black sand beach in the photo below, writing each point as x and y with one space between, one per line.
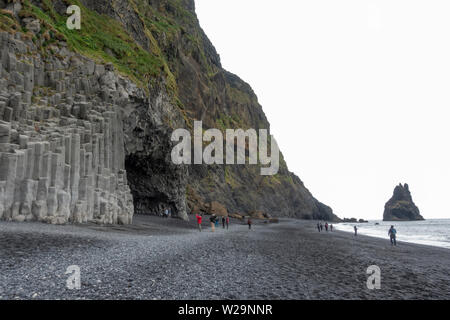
159 258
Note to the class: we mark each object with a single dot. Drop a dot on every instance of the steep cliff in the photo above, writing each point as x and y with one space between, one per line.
160 48
61 137
401 206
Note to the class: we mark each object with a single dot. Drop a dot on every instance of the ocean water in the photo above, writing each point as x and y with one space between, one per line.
433 232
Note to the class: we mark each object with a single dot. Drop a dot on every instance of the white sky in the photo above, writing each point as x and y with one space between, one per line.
357 92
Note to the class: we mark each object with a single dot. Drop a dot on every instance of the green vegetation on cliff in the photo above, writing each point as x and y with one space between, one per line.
157 42
102 38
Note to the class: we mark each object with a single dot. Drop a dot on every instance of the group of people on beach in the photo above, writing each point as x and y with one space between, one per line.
327 226
392 233
216 220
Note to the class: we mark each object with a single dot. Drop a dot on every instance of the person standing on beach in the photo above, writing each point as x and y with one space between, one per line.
326 226
223 222
227 221
199 221
213 222
356 230
321 226
331 227
249 222
392 233
318 226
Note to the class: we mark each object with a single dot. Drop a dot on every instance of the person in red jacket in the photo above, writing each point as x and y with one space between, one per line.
228 221
199 221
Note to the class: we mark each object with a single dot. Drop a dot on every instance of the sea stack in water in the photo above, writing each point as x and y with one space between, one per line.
401 206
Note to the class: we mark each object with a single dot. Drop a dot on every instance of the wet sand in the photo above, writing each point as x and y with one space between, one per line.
158 258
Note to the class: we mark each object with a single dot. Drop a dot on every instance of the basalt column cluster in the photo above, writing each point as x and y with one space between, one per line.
61 140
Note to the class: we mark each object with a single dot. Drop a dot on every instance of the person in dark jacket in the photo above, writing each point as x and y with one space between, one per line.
392 233
223 222
213 222
249 222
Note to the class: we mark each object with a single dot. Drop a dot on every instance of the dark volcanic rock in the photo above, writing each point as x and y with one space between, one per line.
401 206
354 220
221 100
183 81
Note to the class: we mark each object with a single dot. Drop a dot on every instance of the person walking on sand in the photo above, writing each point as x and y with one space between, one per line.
331 227
318 227
321 226
199 221
392 233
356 230
223 222
227 221
213 222
326 226
249 222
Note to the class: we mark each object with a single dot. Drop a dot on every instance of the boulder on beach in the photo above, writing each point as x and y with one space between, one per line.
354 220
217 208
236 215
259 215
401 206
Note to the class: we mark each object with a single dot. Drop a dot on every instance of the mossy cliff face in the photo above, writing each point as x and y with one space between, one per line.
160 46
